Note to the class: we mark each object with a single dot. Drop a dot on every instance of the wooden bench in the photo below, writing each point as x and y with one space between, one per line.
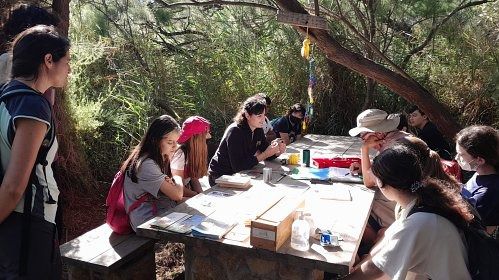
102 254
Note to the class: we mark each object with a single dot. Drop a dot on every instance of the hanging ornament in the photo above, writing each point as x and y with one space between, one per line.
312 81
305 48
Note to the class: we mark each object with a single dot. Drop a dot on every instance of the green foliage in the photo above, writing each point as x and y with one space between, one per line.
131 63
114 96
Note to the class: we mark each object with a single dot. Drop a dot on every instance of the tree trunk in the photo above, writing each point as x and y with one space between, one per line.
409 89
71 167
370 90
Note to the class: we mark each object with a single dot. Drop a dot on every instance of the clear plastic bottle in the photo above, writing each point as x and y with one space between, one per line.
300 233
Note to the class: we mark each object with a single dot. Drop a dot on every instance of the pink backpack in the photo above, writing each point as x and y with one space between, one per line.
117 217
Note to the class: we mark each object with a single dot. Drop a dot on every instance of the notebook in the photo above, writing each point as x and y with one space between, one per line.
165 221
234 181
213 227
185 226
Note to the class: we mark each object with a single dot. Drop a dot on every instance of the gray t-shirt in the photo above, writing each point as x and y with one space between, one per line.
150 179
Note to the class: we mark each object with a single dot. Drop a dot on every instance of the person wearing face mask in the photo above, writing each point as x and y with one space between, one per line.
288 127
244 144
477 150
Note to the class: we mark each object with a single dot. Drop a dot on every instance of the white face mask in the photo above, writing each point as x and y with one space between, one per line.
466 165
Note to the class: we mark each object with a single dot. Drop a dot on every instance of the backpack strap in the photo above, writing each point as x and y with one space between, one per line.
143 198
6 93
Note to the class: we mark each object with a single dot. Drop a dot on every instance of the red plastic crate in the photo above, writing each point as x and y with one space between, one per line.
334 162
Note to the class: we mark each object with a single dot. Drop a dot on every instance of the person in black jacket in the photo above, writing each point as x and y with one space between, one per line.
429 133
288 127
244 144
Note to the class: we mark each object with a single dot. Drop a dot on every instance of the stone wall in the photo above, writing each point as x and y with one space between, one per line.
215 262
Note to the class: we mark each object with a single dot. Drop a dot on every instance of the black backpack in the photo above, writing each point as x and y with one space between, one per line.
483 249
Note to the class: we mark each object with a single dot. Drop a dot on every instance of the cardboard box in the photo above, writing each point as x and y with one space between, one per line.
273 228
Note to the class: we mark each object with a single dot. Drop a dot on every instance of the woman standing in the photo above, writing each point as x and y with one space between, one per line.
148 171
28 239
190 161
244 144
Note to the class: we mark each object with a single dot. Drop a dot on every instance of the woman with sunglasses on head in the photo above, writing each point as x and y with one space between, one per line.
421 245
477 150
190 161
244 144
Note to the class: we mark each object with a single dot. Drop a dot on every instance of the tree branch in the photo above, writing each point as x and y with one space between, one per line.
216 2
375 49
436 27
409 89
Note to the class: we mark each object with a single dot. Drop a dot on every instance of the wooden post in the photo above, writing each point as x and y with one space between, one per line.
305 20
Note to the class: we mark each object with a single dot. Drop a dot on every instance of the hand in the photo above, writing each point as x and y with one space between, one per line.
272 149
281 144
282 147
355 168
170 180
373 141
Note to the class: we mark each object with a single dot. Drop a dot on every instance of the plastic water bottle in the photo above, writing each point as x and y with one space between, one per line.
300 233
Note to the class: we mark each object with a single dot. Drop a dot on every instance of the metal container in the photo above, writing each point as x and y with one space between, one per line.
267 174
306 158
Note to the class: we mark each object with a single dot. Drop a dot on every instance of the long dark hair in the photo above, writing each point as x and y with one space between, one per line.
481 141
149 147
30 47
399 167
254 105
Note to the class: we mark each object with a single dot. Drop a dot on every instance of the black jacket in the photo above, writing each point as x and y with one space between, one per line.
237 149
435 140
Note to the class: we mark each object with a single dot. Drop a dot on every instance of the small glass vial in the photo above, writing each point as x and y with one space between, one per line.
300 233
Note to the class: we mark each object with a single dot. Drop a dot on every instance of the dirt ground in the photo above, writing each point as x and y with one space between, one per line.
83 212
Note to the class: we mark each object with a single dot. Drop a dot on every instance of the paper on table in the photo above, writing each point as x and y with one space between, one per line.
166 221
343 175
210 199
310 173
333 173
238 233
185 226
333 192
